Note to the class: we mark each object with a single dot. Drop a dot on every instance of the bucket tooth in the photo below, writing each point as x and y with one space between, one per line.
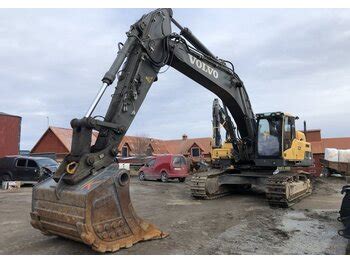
97 211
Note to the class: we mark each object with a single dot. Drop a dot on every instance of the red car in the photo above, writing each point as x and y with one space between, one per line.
165 167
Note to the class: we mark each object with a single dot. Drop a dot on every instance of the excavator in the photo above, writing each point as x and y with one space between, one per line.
225 156
222 153
88 199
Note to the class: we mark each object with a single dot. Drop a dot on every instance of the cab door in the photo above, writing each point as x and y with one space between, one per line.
288 132
292 149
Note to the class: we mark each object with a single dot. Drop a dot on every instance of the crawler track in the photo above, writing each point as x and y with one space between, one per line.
205 186
286 189
282 190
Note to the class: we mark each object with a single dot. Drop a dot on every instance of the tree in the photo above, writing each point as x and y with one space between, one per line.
141 145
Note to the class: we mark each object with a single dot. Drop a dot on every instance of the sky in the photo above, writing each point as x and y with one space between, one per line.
291 60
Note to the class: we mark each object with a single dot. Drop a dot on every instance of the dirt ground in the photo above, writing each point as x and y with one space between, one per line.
236 224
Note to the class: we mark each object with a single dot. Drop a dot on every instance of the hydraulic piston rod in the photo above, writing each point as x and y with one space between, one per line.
110 75
186 33
96 100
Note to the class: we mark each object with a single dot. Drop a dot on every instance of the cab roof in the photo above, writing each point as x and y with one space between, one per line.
278 113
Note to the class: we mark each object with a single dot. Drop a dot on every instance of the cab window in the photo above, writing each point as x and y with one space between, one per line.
289 132
269 130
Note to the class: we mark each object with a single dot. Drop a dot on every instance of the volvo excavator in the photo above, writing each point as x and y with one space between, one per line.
222 152
88 199
224 156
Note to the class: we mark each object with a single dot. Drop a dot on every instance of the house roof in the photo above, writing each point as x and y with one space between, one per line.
182 146
157 145
64 135
176 146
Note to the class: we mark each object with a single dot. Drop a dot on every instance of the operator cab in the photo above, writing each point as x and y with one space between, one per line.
275 135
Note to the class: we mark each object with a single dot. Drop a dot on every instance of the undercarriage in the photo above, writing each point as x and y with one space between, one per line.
282 190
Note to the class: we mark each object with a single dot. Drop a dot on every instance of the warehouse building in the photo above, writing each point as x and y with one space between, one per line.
10 134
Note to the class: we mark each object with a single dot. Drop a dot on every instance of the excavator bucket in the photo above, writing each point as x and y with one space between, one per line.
97 211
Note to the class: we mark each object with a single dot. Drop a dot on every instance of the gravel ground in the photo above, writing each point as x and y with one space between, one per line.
236 224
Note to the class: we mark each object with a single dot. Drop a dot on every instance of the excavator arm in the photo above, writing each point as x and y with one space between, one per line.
222 118
150 45
88 198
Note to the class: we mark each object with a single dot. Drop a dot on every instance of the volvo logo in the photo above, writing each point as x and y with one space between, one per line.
203 66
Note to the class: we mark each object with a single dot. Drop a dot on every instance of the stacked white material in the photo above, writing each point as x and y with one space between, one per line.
344 156
124 166
8 185
5 185
331 154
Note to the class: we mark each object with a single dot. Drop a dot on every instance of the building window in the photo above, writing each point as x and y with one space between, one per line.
125 151
195 152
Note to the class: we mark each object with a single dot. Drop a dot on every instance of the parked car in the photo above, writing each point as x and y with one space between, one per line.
26 168
165 167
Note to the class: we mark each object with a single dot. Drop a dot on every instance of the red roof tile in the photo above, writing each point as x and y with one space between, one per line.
177 146
65 136
182 146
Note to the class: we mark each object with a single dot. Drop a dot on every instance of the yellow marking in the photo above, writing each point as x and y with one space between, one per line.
71 167
149 79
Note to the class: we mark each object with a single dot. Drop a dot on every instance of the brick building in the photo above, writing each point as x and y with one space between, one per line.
58 140
194 148
10 134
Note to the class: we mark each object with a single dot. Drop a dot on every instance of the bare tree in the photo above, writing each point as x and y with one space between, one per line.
141 145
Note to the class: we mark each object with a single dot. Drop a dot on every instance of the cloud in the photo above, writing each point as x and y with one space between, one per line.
52 61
